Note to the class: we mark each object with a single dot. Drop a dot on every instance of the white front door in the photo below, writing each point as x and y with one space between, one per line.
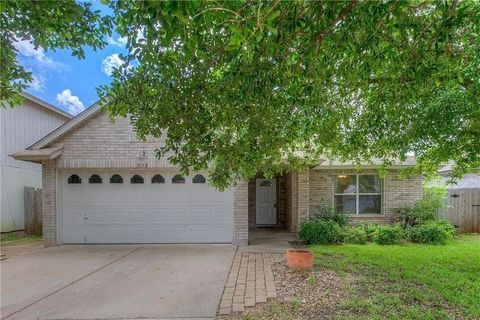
266 199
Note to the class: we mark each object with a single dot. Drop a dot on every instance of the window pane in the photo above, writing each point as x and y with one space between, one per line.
95 178
346 203
178 179
158 178
116 178
345 184
136 179
199 179
74 179
369 184
369 204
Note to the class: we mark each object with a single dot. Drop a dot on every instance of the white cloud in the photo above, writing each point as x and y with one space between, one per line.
38 83
111 62
120 41
27 49
73 103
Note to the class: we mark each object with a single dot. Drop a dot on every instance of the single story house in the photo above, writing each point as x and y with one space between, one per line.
102 185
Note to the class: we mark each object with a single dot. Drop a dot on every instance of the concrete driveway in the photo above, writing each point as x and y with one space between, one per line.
115 282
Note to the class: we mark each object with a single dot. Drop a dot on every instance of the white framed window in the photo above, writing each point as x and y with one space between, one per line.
358 193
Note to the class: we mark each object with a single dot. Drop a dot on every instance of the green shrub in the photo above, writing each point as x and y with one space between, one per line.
421 212
319 232
432 232
354 235
388 234
329 212
369 228
435 195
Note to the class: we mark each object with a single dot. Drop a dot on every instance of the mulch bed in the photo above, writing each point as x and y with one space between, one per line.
311 294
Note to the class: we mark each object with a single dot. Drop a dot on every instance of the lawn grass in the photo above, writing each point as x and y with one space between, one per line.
16 238
409 281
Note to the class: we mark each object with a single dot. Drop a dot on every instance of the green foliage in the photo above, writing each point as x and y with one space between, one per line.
435 232
388 234
354 235
435 195
328 211
422 211
242 87
65 24
369 228
319 232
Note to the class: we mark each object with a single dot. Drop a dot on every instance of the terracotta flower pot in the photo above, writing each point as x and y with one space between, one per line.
300 259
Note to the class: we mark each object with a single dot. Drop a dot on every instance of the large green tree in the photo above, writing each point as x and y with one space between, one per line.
60 24
248 86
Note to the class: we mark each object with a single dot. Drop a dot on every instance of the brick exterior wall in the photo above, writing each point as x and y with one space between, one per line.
293 202
396 192
240 213
49 203
99 143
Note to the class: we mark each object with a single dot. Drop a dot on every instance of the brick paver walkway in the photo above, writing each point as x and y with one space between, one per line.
250 281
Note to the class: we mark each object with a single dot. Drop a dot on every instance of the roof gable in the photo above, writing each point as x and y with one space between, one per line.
66 127
46 105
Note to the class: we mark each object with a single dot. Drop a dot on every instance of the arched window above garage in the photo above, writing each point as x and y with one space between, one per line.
178 179
158 178
74 179
116 178
95 178
136 179
199 179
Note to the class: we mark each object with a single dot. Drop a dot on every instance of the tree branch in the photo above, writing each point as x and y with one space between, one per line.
348 8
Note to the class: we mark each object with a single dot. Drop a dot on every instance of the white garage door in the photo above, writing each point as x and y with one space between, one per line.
143 207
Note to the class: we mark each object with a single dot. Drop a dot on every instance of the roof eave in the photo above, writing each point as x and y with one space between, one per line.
37 156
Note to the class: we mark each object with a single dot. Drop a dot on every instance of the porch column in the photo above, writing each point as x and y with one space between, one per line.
49 203
303 205
292 202
240 213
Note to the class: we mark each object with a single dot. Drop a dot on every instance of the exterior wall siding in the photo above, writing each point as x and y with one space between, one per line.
20 127
397 192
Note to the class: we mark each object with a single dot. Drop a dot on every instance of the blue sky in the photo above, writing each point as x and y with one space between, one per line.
66 81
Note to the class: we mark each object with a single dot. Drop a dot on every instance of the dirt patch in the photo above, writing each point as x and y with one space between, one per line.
303 295
17 243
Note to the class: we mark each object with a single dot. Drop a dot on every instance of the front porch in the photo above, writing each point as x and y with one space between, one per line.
270 217
270 210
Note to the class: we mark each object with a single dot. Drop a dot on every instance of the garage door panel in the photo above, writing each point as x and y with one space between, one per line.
221 197
145 213
219 216
222 231
198 197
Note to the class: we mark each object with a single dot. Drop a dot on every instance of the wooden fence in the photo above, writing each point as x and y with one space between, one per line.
462 208
33 211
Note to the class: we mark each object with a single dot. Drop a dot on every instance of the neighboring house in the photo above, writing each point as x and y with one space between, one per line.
19 128
102 185
468 181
